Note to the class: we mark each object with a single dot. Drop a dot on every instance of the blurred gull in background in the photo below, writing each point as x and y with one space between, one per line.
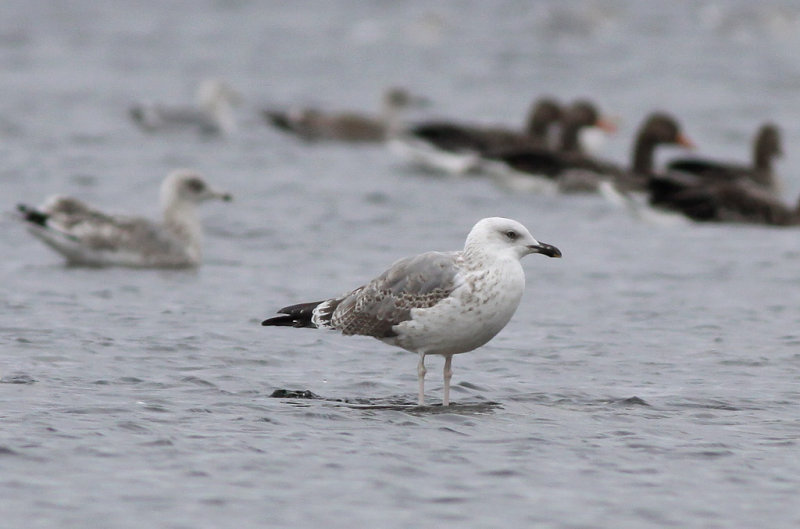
89 237
212 115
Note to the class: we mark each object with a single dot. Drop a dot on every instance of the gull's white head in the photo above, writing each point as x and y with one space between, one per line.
212 93
187 186
500 235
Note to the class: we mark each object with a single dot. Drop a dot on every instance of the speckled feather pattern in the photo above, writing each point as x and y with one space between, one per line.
436 302
374 309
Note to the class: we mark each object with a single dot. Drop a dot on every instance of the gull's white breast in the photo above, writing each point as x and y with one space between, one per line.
472 315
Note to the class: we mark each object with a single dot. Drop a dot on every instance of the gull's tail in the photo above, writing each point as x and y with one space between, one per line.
42 226
299 315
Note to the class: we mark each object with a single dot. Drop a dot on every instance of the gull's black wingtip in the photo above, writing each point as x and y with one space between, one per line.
31 215
278 320
299 315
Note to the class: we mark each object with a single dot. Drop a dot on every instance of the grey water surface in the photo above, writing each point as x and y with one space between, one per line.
648 379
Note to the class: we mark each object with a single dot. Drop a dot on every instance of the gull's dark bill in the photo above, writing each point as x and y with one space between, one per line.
546 249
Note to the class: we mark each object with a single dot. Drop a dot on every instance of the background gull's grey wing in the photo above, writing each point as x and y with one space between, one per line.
83 234
154 117
187 116
414 282
145 242
66 213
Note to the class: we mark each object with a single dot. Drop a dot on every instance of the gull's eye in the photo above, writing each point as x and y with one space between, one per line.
195 185
512 235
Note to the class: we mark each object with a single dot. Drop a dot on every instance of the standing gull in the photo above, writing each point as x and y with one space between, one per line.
85 236
441 303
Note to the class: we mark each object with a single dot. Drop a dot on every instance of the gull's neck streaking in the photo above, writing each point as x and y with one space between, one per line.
476 251
480 250
182 220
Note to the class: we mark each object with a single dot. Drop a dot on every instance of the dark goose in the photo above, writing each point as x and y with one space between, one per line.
766 146
460 137
576 171
737 201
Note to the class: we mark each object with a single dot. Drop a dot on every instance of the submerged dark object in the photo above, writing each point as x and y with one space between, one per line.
294 394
